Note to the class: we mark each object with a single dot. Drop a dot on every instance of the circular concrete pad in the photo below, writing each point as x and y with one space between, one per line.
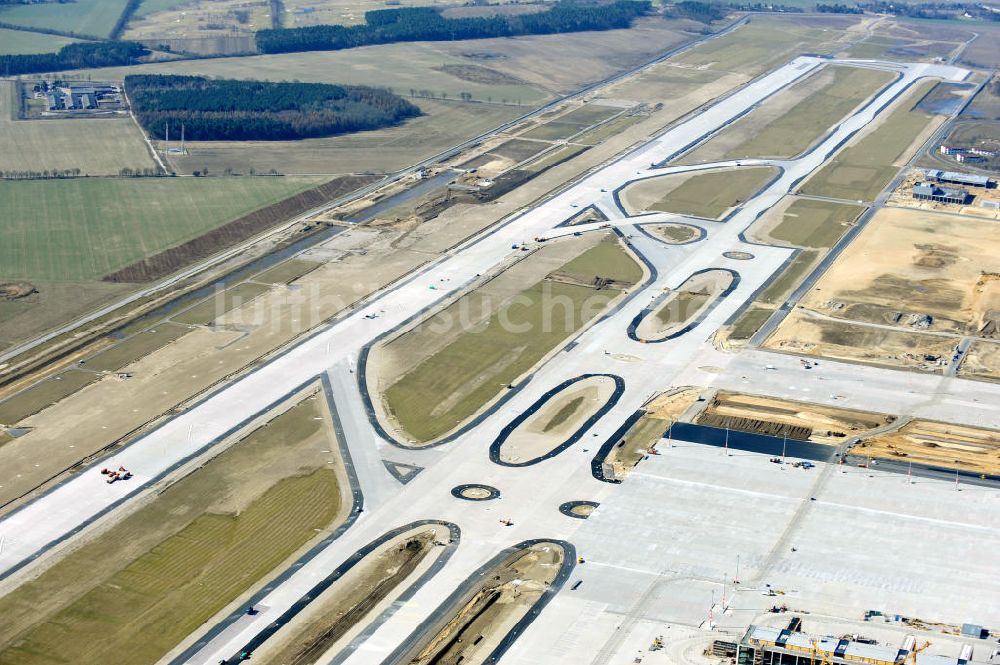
580 510
475 492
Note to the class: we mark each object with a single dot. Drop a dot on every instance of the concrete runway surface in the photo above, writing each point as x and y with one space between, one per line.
659 545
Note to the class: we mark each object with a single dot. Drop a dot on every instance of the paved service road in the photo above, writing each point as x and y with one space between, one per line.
530 495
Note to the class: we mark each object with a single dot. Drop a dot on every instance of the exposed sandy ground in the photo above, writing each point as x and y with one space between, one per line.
557 420
477 624
933 263
938 444
671 405
905 266
982 361
337 615
684 305
801 333
828 424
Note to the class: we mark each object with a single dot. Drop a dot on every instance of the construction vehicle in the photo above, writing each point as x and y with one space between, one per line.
113 476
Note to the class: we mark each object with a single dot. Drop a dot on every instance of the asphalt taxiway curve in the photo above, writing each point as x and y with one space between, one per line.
441 615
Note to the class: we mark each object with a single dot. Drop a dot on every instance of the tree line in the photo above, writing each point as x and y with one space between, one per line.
407 24
230 110
73 56
838 9
703 12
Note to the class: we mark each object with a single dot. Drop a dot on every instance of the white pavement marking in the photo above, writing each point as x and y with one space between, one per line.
530 494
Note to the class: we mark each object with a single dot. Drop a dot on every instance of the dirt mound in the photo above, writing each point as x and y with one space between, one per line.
480 74
756 426
15 290
227 235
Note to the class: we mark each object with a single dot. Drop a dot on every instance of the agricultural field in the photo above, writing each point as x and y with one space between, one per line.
863 169
199 19
788 123
83 229
984 52
96 146
444 125
13 42
299 13
86 18
410 69
702 194
762 44
132 593
464 367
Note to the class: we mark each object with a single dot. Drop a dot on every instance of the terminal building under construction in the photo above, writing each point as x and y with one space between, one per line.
773 646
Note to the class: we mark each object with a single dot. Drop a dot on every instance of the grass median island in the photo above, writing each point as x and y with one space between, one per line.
134 592
815 224
709 194
773 131
862 170
456 380
749 323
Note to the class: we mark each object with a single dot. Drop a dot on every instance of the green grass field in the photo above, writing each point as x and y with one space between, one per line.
607 260
817 224
147 7
88 227
711 194
13 42
804 123
93 18
454 383
862 170
95 146
131 594
757 46
791 277
750 322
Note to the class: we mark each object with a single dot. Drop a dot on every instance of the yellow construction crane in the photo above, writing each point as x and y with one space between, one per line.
825 660
912 656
